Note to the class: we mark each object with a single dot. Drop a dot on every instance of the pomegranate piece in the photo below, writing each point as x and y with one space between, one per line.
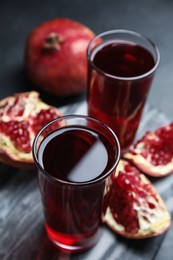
21 117
55 56
134 209
153 153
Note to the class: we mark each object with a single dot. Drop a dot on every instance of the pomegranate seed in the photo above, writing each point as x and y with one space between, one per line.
151 205
42 118
18 133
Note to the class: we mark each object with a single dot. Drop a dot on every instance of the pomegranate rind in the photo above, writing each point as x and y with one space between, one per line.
14 161
146 167
139 154
30 104
152 221
62 72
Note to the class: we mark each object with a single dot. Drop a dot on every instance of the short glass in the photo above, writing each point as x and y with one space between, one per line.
75 155
121 66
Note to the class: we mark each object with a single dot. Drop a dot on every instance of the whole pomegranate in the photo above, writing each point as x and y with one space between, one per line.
55 56
21 117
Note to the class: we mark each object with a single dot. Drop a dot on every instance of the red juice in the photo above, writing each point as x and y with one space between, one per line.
116 92
73 212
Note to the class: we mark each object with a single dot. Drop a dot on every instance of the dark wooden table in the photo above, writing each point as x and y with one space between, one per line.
22 234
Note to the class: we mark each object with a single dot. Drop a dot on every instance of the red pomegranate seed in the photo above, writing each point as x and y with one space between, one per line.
18 132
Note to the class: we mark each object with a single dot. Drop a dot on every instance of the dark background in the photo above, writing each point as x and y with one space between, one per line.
154 18
22 234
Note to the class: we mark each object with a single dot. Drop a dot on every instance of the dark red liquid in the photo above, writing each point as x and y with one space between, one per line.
73 213
118 100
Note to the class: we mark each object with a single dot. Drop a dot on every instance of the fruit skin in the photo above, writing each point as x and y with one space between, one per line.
21 116
153 153
134 210
55 56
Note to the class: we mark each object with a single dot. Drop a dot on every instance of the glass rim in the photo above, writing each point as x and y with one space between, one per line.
72 183
139 35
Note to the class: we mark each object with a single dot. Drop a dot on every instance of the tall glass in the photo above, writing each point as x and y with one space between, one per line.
121 66
75 155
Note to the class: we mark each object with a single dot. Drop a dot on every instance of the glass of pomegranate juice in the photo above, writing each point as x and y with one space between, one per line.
121 66
75 155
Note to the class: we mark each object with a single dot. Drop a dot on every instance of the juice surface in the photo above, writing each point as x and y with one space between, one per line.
122 59
72 154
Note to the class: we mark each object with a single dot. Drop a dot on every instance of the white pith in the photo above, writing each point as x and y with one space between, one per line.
146 167
8 147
